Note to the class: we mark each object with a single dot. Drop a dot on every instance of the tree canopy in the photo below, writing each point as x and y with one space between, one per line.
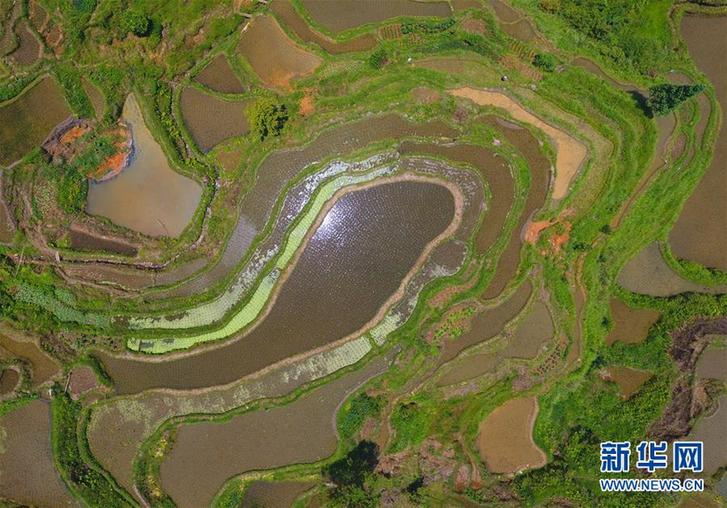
663 99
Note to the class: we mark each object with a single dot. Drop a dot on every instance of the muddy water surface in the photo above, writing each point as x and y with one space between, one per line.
14 344
148 196
712 363
345 273
710 430
630 325
218 76
285 166
647 273
28 50
9 379
275 58
344 14
273 494
206 454
27 120
505 438
700 234
27 473
289 16
211 120
84 240
628 380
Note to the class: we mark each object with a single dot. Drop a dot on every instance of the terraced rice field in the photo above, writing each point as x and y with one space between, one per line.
211 120
273 56
219 76
505 437
29 118
27 473
347 14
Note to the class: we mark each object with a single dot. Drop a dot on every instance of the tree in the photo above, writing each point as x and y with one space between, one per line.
351 474
135 22
378 58
545 61
267 117
664 98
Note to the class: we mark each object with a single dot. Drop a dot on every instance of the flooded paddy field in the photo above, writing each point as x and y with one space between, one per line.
286 12
119 426
301 431
345 14
28 50
570 152
539 167
710 430
505 438
148 196
494 171
27 474
530 335
489 323
698 235
712 363
288 165
512 22
647 273
7 223
274 57
211 120
29 118
338 284
16 344
9 380
630 325
628 380
273 494
85 240
219 76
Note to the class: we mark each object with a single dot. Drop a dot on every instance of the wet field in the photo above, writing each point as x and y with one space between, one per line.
206 454
28 50
628 380
148 196
699 233
86 241
274 57
710 430
505 437
15 344
344 14
28 119
630 325
647 273
289 16
273 494
27 473
211 120
341 280
218 76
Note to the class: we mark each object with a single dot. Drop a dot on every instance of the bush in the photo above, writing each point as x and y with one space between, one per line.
135 22
378 58
663 99
267 117
355 467
354 413
545 61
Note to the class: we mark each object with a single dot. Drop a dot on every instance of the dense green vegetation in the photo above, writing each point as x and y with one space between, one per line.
267 117
664 98
95 488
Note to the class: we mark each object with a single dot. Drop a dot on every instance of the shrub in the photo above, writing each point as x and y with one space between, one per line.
267 117
378 58
355 413
135 22
545 61
663 99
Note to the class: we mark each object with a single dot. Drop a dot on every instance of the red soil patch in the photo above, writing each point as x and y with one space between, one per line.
117 162
307 106
533 230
